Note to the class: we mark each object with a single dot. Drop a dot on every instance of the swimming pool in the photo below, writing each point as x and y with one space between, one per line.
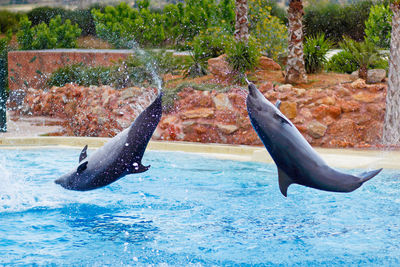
190 210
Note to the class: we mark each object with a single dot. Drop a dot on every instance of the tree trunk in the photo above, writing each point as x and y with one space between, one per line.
241 26
295 68
363 73
391 128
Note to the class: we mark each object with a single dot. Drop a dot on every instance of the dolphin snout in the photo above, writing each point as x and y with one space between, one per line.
252 90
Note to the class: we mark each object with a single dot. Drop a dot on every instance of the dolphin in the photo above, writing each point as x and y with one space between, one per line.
296 160
120 156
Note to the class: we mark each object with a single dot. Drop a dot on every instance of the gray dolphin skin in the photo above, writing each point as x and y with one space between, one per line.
120 156
297 161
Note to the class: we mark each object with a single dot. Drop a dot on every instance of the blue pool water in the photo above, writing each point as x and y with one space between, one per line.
190 210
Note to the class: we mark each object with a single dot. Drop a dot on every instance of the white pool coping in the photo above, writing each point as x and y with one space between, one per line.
339 158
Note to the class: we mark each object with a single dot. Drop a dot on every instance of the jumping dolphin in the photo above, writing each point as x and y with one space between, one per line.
297 161
120 156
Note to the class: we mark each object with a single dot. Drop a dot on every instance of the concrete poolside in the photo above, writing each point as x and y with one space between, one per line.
27 132
340 158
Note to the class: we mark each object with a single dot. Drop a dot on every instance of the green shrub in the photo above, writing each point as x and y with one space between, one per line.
342 62
123 26
43 36
269 31
209 44
8 21
139 69
336 20
378 26
82 17
345 62
4 48
242 57
315 49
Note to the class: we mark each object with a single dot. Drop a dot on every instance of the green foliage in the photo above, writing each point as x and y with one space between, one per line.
209 44
269 31
138 69
364 53
342 62
82 17
315 49
242 57
8 21
378 26
123 26
336 20
4 48
43 36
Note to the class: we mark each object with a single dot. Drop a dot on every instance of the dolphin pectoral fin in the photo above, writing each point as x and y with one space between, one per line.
281 118
365 176
143 168
284 182
278 104
82 167
139 168
83 154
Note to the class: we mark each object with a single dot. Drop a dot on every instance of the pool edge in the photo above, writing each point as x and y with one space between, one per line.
341 158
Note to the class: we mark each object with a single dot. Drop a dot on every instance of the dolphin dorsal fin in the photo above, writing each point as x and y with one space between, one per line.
83 154
284 182
278 104
82 167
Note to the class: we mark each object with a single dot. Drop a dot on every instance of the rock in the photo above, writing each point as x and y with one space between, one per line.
219 67
358 84
320 111
334 111
374 75
198 113
284 87
350 106
266 63
342 129
227 129
365 97
327 101
299 91
316 129
221 101
289 109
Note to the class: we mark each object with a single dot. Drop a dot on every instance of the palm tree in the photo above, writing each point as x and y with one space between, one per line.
391 129
295 67
364 53
241 25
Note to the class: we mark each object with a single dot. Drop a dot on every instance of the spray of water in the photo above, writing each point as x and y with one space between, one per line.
150 63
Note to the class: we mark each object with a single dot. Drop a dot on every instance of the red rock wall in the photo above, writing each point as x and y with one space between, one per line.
31 68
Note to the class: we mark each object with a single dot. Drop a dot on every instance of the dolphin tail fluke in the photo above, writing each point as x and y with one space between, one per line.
365 176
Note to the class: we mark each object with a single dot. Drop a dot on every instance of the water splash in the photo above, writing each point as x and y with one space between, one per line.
150 63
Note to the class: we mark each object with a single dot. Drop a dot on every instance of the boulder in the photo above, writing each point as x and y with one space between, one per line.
374 75
366 97
227 128
221 101
289 109
316 129
198 113
266 63
219 67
